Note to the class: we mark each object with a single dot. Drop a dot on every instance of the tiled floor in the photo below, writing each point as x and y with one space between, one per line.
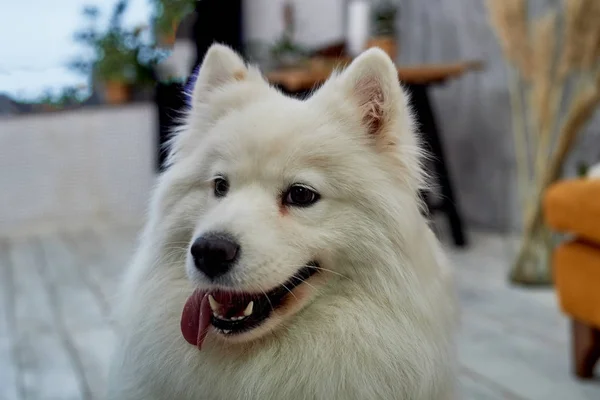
56 334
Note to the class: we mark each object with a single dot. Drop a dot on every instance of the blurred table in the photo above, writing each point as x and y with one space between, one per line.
300 80
313 72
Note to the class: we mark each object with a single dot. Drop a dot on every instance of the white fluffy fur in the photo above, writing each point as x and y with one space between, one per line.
380 326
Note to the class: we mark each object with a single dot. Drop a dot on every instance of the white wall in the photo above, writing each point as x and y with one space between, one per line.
318 22
74 168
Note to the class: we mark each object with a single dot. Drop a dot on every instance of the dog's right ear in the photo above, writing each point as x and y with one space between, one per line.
221 66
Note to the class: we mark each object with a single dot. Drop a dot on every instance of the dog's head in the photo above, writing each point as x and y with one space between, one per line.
276 198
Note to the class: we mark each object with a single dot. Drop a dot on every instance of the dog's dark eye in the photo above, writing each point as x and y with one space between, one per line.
221 187
301 196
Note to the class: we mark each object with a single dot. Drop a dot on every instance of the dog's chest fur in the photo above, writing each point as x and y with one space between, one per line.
336 350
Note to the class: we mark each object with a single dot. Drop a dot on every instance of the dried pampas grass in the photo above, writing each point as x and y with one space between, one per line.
582 36
555 88
509 17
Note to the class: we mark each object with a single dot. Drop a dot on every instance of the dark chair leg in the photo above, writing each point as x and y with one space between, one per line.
427 125
586 349
170 101
426 203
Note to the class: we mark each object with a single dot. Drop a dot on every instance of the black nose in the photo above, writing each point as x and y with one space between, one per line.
214 254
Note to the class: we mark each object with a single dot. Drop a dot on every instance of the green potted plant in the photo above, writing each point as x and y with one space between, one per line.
167 15
121 59
46 101
67 97
384 33
285 51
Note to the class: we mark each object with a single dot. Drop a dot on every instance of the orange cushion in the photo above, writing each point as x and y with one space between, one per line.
577 280
573 206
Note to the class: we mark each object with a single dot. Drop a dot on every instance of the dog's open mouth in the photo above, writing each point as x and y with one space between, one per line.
232 313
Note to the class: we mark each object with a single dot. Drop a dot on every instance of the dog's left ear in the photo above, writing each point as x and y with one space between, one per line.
221 65
370 85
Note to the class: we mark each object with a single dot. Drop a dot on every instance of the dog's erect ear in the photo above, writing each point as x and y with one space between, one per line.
221 65
371 85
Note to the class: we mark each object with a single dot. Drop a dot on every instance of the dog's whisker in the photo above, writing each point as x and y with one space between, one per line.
165 258
327 270
184 249
303 281
268 299
292 293
319 268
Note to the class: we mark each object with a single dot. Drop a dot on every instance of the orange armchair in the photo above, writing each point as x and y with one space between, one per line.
573 207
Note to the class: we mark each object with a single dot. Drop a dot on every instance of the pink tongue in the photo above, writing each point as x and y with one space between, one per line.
195 318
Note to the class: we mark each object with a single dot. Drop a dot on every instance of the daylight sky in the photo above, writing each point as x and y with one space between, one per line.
36 41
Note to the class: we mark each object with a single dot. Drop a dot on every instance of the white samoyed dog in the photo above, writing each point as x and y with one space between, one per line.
285 255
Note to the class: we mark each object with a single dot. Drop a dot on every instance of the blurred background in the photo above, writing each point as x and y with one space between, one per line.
505 93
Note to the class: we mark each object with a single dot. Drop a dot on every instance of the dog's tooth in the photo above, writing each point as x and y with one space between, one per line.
249 309
226 330
214 305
